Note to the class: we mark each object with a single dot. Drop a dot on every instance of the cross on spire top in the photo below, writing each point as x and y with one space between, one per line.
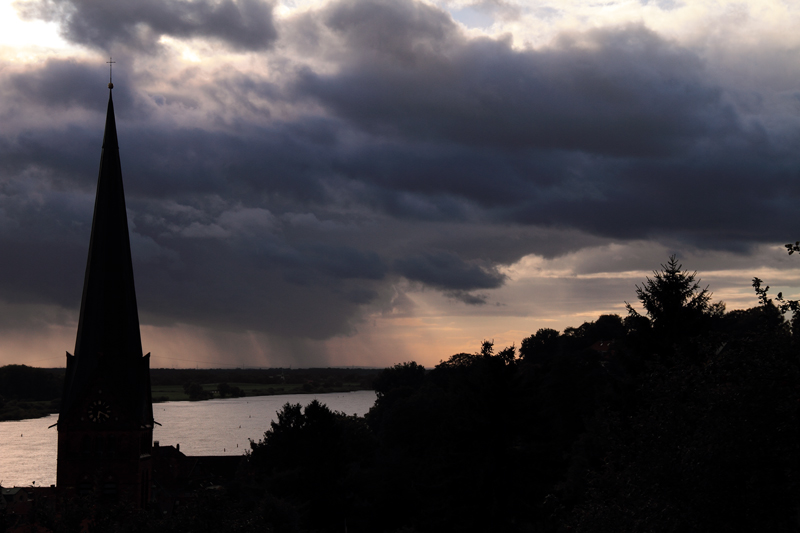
110 64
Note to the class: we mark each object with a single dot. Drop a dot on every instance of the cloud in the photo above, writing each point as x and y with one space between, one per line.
60 83
613 91
234 223
467 297
320 262
403 32
366 158
484 13
445 270
240 24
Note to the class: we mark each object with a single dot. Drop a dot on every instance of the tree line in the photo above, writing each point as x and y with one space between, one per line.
678 417
27 392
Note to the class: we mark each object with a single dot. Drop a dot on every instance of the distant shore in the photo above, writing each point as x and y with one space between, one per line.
25 409
29 392
176 393
14 410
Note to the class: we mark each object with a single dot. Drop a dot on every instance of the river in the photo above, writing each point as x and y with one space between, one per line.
211 427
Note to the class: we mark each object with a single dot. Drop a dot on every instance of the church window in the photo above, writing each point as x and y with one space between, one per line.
110 488
84 488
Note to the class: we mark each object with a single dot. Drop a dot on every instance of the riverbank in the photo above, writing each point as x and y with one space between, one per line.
29 392
24 409
177 393
27 409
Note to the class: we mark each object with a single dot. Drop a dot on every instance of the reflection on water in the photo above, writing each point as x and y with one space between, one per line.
212 427
28 452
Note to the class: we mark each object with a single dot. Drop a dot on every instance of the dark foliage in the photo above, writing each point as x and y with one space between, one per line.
678 307
540 346
196 392
313 458
712 447
232 509
226 390
20 382
587 431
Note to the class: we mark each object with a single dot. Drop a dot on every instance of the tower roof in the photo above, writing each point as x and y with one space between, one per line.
109 345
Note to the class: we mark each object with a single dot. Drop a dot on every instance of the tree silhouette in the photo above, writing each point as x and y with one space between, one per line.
312 458
544 343
677 305
195 391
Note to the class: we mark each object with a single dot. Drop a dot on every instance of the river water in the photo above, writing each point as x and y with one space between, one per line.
211 427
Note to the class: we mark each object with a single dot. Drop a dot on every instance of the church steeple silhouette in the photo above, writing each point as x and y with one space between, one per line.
105 427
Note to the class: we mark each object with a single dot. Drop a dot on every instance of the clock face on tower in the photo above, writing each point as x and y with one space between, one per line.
99 412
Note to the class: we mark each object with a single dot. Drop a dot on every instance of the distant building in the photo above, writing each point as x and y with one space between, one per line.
178 477
603 347
20 505
14 499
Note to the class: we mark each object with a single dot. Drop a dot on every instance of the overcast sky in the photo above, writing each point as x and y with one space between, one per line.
366 182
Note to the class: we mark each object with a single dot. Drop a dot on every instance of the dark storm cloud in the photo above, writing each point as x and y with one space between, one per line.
467 297
62 83
37 280
447 271
308 164
411 73
278 159
222 286
317 263
718 196
241 24
379 143
232 271
46 151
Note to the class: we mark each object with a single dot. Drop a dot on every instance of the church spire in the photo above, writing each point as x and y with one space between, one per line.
109 319
108 343
105 427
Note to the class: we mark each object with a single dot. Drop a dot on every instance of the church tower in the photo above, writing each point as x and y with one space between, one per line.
105 427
